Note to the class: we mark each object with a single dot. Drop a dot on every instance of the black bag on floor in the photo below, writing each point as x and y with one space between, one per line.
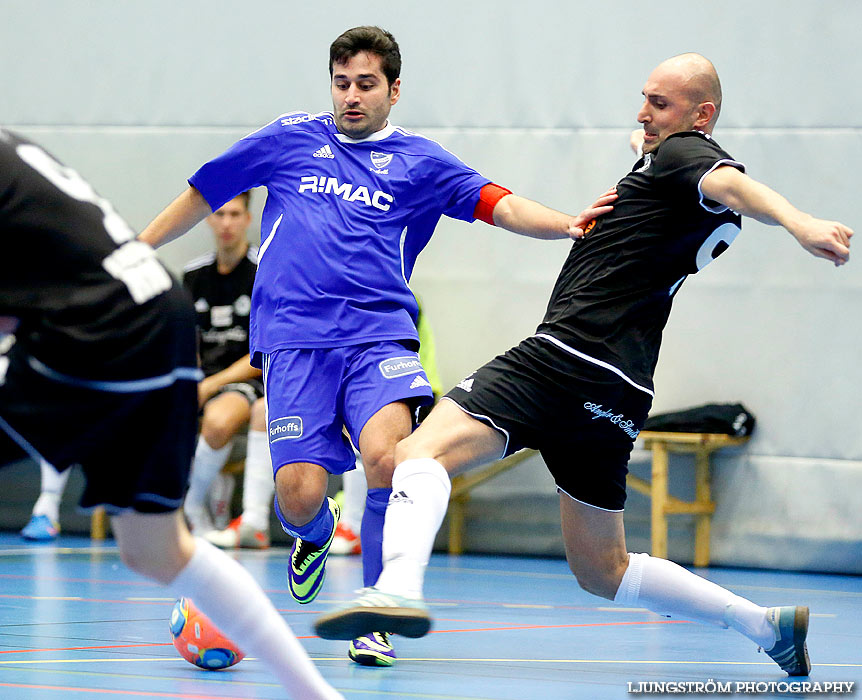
724 418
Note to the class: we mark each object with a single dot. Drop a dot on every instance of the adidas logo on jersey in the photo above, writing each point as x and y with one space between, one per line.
323 152
466 385
419 381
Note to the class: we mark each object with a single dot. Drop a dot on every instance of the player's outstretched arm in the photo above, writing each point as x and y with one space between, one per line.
177 218
734 189
529 218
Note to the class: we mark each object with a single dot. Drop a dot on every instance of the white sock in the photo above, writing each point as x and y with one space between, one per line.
207 464
53 483
258 484
355 487
228 594
668 589
219 496
420 496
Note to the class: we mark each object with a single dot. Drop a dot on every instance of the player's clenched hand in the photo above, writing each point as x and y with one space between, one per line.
824 239
581 223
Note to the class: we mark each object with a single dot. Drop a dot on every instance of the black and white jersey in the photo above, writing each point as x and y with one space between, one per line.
92 301
614 293
222 304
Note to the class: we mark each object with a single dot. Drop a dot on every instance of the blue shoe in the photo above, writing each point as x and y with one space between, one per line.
375 610
40 529
373 649
791 628
308 564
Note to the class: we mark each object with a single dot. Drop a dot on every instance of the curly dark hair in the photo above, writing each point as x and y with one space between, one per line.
372 39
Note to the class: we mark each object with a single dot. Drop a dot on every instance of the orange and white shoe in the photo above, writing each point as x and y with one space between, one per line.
346 541
238 534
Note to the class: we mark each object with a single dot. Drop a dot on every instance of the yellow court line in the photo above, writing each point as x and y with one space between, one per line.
614 661
456 660
526 605
43 551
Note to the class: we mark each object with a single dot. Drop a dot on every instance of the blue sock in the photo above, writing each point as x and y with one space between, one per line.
316 532
371 534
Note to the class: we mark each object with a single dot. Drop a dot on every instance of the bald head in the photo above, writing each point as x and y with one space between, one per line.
696 77
681 94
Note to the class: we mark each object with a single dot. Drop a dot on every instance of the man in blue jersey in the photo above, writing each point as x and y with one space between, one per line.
352 201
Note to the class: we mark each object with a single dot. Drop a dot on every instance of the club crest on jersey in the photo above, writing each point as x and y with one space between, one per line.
647 163
380 161
287 428
242 305
400 366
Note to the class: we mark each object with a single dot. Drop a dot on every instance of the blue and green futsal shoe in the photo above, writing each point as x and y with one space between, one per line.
308 563
372 649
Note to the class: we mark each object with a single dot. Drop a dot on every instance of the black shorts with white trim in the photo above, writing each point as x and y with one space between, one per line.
583 418
133 439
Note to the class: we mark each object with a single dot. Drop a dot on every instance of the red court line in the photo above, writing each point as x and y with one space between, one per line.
105 691
110 646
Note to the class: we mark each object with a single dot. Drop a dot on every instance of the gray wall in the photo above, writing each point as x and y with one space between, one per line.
541 97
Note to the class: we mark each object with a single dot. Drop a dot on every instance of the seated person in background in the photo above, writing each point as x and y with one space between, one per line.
220 284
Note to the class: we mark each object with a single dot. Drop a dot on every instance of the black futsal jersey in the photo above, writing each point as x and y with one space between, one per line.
614 293
222 304
92 301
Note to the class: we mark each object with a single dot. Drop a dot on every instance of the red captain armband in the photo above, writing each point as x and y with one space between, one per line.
489 195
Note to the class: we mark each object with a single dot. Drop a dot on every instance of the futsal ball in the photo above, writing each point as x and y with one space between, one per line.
199 641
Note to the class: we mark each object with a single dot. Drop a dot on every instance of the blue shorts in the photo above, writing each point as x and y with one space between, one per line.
311 394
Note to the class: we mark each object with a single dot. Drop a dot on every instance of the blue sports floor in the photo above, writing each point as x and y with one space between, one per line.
74 623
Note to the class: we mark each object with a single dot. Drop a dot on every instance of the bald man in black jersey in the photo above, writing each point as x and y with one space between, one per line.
580 389
105 352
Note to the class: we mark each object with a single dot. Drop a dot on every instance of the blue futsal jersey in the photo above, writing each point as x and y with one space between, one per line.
343 224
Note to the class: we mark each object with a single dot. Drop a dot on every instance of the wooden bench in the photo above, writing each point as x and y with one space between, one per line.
701 445
460 495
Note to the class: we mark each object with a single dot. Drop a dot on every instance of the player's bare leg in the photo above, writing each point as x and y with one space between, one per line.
223 417
595 549
310 518
160 547
377 442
